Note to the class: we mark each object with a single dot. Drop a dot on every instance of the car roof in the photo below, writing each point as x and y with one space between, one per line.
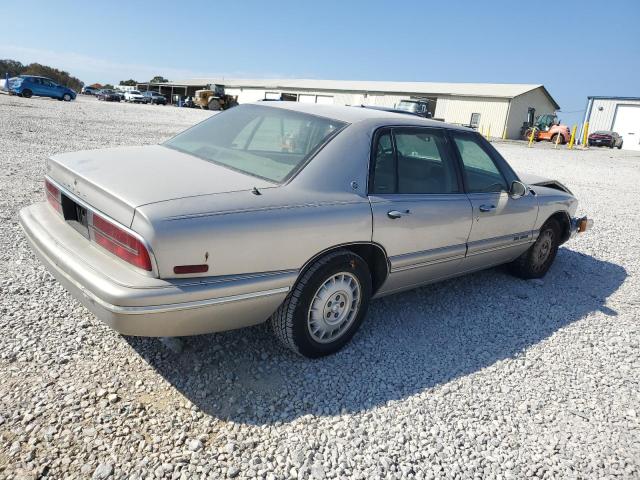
356 114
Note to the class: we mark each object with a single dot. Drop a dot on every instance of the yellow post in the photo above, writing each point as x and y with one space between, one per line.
573 137
504 133
489 132
585 135
557 140
532 136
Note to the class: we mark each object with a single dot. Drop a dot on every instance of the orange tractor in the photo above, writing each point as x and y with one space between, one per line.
546 127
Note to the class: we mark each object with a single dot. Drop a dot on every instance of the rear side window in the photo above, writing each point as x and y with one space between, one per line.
413 161
480 170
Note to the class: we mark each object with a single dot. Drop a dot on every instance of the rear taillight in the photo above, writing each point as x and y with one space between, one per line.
53 195
120 243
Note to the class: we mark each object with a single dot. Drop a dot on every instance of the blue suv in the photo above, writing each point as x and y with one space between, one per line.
28 85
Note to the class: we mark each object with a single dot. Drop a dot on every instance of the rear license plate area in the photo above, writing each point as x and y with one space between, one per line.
75 215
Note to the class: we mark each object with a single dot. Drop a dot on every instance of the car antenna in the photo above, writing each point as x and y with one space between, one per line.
255 191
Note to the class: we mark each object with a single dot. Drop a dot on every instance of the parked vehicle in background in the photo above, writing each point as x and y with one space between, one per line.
133 96
546 127
87 90
27 86
215 98
108 95
120 93
154 98
300 213
418 107
605 138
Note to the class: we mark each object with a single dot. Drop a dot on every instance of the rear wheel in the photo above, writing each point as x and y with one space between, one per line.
536 261
26 93
326 307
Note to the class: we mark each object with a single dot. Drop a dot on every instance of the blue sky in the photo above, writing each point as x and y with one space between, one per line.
574 48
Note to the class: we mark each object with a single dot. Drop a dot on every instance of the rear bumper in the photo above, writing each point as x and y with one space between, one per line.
135 304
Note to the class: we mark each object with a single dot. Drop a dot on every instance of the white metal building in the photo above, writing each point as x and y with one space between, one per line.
496 107
618 114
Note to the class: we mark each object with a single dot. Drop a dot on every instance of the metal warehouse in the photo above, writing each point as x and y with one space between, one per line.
617 114
495 108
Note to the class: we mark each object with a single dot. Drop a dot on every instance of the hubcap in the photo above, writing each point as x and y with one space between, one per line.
334 307
542 250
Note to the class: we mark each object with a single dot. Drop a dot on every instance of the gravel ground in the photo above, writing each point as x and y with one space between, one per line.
485 376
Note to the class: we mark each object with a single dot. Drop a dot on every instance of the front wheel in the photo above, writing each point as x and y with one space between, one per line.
536 261
557 138
326 307
26 93
66 97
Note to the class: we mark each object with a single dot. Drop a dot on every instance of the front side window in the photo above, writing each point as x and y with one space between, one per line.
413 161
480 171
265 142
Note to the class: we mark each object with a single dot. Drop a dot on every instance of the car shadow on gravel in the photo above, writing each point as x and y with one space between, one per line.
409 343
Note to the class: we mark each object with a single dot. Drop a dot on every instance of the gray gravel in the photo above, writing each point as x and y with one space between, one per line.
485 376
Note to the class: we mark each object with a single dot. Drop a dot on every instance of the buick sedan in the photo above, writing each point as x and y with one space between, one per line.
290 213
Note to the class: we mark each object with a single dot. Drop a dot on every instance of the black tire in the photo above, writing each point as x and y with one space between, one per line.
554 138
66 97
290 323
620 146
214 105
26 93
536 261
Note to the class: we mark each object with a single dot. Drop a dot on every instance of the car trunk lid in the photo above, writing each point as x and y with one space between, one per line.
116 181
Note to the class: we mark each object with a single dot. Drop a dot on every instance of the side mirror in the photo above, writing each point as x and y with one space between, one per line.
518 189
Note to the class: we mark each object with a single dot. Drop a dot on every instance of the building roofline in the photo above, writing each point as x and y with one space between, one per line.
595 97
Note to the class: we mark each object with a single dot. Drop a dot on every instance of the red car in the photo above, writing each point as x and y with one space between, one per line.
605 138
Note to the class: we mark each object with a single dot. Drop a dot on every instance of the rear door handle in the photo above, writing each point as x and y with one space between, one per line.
487 208
397 214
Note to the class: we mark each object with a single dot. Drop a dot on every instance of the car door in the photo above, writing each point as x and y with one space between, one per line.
52 89
502 226
421 216
36 86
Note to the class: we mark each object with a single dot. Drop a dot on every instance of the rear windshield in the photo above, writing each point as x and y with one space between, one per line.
265 142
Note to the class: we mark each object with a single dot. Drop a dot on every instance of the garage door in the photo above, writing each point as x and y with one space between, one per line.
324 99
302 98
627 124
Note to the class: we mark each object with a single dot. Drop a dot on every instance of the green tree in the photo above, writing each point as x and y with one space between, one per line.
107 86
131 82
10 67
158 79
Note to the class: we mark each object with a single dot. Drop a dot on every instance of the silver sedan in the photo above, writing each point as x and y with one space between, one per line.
293 213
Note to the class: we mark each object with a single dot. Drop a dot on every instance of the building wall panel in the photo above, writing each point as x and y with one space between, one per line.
458 110
603 119
520 106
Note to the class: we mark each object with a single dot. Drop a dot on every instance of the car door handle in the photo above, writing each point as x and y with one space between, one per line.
487 208
397 214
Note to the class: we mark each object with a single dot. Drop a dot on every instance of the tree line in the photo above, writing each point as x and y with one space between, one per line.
13 68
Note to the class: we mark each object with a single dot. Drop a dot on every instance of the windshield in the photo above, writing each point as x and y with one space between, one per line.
407 106
265 142
135 92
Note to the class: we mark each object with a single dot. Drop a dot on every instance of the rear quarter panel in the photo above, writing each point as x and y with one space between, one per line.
241 233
